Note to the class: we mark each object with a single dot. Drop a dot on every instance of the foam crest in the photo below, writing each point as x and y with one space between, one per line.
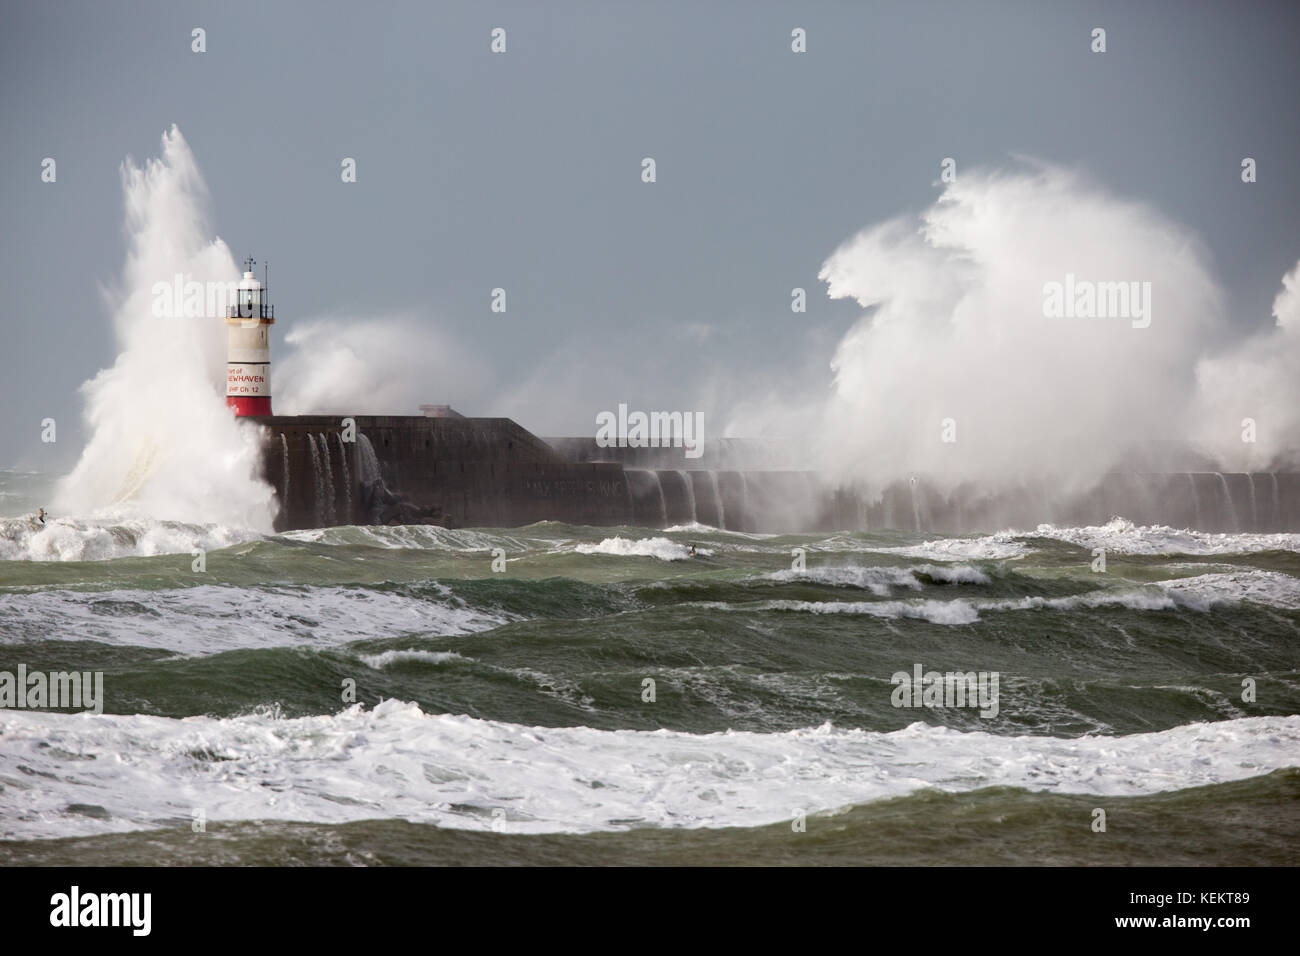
1121 536
209 619
455 771
661 548
103 539
881 580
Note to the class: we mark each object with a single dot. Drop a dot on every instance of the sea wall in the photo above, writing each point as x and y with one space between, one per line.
1205 501
491 472
456 472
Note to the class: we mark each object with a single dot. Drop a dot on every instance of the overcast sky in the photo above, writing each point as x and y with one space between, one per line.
523 170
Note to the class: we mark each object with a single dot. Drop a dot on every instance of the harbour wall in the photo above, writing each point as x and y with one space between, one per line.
455 472
491 472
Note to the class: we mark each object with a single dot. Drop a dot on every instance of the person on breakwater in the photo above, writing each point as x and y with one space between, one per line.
41 516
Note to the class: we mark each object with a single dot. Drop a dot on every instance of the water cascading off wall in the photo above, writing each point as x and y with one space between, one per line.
648 507
1196 499
373 493
284 465
1227 498
369 461
704 498
744 500
318 483
347 481
669 497
679 506
330 513
1216 502
690 494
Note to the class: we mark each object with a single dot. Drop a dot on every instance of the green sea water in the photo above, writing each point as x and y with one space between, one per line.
564 694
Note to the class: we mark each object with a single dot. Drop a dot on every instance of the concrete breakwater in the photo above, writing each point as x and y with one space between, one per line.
491 472
456 472
1199 500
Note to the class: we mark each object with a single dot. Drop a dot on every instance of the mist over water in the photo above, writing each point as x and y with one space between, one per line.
1261 380
162 442
954 343
373 365
955 329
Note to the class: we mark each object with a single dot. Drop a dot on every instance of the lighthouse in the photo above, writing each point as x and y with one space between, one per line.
248 348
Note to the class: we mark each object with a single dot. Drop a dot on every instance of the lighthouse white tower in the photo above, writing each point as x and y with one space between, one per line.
248 349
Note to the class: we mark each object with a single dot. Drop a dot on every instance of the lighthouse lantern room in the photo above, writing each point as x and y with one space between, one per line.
248 348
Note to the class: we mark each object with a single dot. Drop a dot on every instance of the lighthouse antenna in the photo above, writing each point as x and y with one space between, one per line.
266 274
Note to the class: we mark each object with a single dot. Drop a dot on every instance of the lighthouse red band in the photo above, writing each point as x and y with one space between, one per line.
248 348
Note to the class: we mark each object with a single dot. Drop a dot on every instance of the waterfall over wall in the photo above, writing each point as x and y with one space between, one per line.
703 498
318 483
347 481
648 507
492 473
1204 501
373 490
717 500
689 486
331 514
284 468
676 491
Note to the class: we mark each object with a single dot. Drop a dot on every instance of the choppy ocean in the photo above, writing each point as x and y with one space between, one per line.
384 696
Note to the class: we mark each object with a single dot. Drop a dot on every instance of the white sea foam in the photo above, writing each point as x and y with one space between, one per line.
936 612
209 619
101 539
1152 598
1121 536
953 574
877 580
1199 593
993 547
454 771
1118 536
661 548
388 658
880 580
421 538
1000 546
1272 588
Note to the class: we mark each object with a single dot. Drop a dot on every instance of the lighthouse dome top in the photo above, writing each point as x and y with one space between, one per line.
250 281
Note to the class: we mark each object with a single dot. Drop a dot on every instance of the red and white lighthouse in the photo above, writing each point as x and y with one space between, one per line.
248 348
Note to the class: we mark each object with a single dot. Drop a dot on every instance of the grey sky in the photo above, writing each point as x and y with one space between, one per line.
523 170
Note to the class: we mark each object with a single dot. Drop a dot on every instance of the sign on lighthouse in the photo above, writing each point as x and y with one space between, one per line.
248 348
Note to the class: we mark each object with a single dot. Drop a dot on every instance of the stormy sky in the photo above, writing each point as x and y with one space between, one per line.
522 171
